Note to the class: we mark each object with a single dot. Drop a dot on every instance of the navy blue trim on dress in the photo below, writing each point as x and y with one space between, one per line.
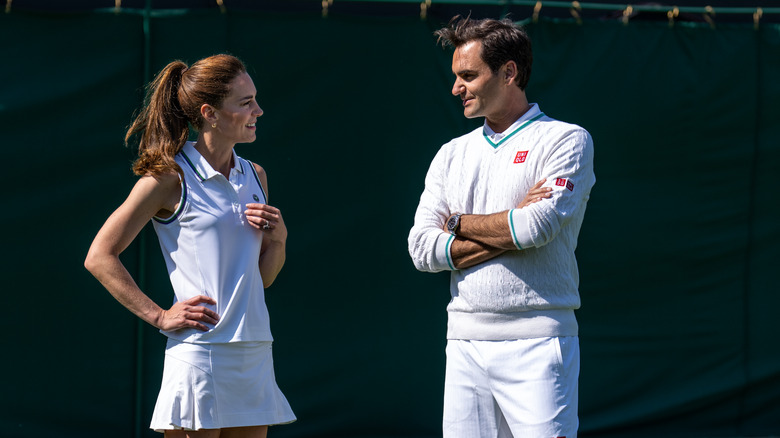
186 158
178 211
257 178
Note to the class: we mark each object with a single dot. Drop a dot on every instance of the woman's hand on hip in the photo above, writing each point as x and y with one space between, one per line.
189 314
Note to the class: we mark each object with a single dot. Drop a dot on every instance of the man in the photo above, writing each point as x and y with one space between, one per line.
512 337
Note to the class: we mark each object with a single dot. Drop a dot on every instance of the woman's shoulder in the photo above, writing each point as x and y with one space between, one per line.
258 168
167 179
164 184
162 190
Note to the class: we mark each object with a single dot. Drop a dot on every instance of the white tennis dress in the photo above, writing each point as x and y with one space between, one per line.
222 377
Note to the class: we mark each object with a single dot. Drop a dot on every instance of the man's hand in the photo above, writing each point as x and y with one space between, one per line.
536 194
483 237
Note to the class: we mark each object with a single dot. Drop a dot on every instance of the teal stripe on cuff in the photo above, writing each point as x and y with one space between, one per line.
512 227
447 249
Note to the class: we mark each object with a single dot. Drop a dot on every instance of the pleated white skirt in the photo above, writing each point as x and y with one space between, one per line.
213 386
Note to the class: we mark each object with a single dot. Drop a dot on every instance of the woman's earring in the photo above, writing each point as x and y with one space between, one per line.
214 125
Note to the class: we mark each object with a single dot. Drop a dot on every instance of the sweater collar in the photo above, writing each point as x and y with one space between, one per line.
496 139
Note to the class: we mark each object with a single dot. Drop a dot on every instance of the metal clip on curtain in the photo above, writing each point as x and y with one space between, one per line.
221 5
709 13
424 9
756 16
575 11
325 5
671 15
7 6
537 8
627 14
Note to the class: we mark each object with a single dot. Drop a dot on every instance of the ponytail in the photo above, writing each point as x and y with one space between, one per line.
162 124
172 105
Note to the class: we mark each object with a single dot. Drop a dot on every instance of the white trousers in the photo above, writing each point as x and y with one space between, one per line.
525 388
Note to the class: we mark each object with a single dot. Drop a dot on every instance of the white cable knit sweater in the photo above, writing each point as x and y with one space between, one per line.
531 292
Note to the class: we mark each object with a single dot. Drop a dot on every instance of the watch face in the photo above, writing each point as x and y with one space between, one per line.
452 223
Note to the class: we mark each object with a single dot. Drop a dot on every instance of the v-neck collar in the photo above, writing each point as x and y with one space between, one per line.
533 114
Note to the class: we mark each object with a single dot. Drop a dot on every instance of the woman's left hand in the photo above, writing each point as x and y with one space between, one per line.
267 219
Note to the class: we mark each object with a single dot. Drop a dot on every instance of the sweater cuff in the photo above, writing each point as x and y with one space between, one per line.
518 224
442 257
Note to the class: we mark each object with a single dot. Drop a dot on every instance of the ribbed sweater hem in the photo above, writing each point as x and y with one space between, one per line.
483 326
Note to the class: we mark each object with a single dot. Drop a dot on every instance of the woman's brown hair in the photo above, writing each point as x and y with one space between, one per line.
173 102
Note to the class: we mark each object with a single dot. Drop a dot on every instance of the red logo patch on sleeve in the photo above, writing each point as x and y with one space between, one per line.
521 156
563 182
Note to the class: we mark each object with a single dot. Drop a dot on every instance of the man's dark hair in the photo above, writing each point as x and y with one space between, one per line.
501 40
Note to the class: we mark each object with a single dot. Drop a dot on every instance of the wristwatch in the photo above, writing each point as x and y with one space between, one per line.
453 224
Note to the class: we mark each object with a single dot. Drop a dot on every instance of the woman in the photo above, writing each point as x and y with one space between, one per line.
222 243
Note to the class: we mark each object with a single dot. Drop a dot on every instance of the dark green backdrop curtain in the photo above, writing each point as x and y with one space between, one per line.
678 246
677 254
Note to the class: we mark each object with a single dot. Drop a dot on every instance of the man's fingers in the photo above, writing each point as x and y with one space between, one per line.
545 192
540 191
539 184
